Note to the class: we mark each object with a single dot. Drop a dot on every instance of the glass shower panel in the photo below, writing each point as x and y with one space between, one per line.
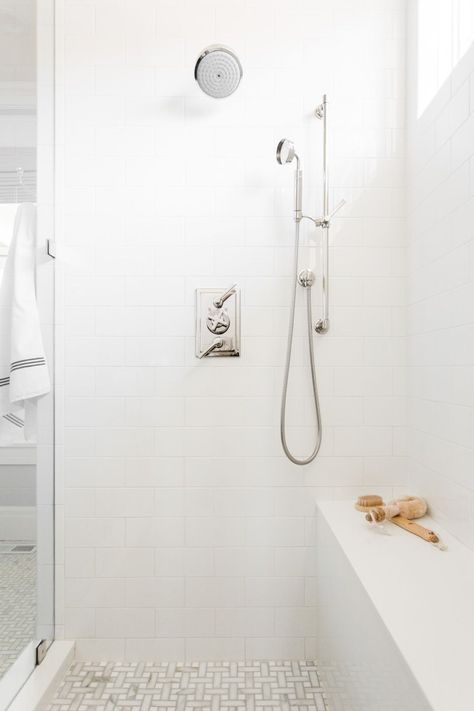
26 425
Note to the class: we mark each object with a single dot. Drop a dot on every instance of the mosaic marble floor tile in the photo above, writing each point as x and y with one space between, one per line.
17 600
197 686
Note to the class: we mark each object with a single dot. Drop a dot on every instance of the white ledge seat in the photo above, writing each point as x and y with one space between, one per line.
395 616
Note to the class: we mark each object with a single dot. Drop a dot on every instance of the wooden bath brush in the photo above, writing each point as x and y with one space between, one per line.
368 502
400 512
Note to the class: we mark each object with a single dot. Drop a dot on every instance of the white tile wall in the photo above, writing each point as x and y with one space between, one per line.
186 530
441 304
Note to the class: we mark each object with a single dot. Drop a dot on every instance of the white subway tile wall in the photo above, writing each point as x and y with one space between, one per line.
441 303
186 531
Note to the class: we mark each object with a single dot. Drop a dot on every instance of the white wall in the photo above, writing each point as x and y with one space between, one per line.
441 311
187 533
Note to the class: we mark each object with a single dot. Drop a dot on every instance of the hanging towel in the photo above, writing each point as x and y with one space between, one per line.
23 370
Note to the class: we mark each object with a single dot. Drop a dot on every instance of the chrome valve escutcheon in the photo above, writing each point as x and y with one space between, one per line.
217 322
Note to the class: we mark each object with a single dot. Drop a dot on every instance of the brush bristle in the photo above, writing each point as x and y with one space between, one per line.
370 500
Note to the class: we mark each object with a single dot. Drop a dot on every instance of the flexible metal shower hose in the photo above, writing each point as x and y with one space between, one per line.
291 326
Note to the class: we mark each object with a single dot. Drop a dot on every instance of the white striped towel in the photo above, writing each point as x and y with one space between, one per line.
23 370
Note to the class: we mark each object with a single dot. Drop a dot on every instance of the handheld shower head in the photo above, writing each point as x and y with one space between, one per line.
285 151
218 71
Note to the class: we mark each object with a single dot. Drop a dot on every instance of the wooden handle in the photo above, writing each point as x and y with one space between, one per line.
415 528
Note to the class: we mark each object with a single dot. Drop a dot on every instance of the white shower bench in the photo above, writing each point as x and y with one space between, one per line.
395 614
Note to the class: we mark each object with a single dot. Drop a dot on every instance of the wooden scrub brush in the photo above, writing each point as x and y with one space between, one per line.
400 512
368 502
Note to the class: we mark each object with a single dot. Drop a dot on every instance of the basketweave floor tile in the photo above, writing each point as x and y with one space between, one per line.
197 686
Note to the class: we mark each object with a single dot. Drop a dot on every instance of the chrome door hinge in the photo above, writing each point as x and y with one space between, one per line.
41 650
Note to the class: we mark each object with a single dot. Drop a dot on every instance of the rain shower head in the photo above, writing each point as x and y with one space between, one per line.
285 151
218 71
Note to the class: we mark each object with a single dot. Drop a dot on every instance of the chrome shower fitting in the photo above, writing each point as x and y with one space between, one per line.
217 322
306 278
218 71
322 325
217 343
286 154
319 110
219 303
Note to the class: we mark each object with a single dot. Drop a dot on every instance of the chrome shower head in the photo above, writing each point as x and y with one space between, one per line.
285 152
218 71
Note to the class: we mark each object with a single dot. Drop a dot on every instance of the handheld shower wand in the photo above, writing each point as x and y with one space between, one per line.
286 154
